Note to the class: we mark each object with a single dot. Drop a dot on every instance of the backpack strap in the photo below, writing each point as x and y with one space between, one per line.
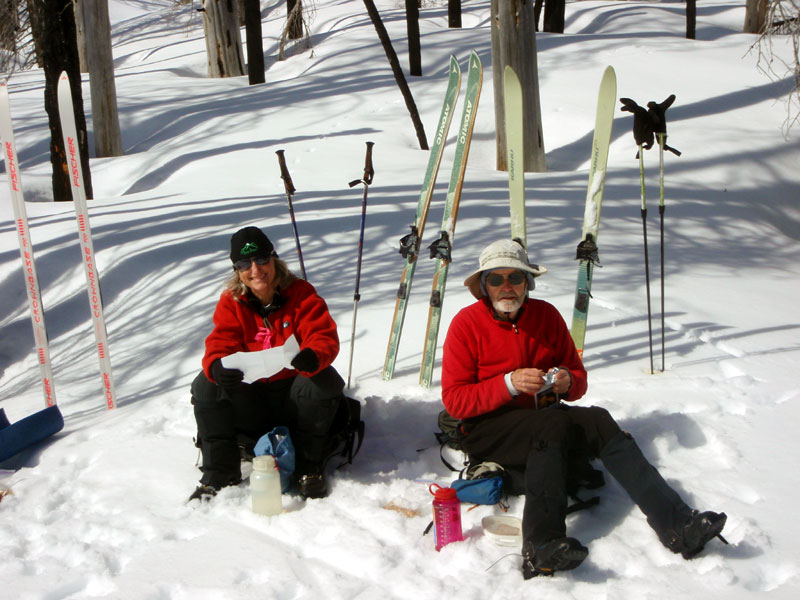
582 504
354 430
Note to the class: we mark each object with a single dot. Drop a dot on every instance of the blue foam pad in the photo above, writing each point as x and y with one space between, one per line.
25 432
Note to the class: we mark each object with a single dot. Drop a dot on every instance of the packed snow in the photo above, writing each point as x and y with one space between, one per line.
99 510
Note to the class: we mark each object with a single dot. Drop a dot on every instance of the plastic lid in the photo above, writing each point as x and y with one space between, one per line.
265 462
442 493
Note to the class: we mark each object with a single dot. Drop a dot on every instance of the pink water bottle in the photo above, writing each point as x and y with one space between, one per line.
446 516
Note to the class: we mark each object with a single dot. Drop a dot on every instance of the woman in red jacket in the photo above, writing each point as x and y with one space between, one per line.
262 305
498 354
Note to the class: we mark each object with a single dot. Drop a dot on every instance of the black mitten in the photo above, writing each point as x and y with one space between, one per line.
306 360
225 378
642 123
658 119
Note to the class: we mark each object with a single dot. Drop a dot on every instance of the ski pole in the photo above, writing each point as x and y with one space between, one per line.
661 208
287 183
657 114
366 180
646 255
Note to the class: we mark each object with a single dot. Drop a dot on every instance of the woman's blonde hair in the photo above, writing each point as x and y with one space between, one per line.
283 279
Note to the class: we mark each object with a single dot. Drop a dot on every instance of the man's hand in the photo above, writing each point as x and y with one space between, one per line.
530 381
562 382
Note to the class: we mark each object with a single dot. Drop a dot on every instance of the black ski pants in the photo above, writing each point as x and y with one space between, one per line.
228 418
548 442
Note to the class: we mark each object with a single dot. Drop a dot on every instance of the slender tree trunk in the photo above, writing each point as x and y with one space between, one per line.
554 16
80 33
53 25
295 20
514 44
386 42
99 59
537 12
255 43
691 19
412 26
454 14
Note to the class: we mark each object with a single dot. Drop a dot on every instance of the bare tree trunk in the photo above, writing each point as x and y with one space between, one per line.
99 59
223 40
80 34
514 44
53 25
755 16
412 26
454 14
255 42
295 20
386 42
554 16
691 19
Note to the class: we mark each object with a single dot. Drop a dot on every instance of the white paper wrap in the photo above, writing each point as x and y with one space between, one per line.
264 363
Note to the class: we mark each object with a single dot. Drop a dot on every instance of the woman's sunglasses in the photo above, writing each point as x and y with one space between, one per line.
245 263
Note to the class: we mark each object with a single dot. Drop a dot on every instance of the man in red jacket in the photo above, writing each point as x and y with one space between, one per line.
262 306
508 364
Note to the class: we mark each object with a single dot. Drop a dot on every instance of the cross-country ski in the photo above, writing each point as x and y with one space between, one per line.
32 289
69 131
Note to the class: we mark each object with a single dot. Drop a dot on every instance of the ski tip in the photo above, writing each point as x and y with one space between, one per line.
63 76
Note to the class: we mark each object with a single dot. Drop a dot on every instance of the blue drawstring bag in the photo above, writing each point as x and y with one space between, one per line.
278 443
486 490
483 484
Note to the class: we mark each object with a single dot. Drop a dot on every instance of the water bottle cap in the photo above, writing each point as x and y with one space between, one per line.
442 493
265 462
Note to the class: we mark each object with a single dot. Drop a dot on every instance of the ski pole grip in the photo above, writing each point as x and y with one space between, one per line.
369 172
287 179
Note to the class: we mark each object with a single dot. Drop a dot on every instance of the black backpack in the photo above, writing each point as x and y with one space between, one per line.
347 431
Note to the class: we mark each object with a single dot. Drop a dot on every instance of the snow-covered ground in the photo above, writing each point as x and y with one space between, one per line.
99 509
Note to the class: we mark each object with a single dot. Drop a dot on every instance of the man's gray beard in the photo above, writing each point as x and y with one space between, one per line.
507 305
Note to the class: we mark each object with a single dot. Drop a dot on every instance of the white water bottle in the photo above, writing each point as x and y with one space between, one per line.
265 486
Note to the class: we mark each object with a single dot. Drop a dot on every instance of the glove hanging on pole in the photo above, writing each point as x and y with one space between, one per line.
658 119
642 124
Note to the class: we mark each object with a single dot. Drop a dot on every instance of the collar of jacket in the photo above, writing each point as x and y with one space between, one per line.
278 300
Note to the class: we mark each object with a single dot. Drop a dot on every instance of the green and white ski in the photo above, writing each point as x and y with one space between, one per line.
409 244
441 249
512 92
587 248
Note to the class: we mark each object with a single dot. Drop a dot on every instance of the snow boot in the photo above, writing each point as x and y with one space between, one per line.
695 534
312 485
666 512
203 493
561 554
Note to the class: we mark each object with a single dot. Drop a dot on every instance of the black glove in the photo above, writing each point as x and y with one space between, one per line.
642 124
658 118
225 378
306 360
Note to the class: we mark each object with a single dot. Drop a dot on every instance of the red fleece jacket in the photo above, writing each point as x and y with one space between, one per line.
480 349
239 328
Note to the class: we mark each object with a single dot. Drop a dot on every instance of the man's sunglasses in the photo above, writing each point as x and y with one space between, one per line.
496 280
245 263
